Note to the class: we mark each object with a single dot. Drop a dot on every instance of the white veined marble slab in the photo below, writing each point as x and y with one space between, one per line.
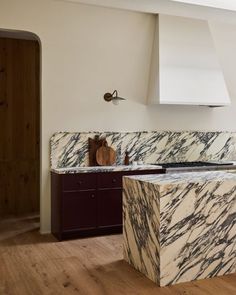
68 149
180 227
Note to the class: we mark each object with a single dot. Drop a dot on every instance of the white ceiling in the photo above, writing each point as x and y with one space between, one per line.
209 9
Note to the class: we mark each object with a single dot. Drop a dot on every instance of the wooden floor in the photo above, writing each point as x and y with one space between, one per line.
35 264
11 226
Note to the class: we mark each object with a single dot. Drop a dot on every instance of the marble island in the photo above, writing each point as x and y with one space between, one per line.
180 227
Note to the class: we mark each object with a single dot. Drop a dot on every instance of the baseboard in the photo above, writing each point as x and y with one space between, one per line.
44 232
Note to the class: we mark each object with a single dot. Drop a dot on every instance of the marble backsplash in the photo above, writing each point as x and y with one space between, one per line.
71 149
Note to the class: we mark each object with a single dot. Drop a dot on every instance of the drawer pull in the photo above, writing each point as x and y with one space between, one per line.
113 180
80 182
92 196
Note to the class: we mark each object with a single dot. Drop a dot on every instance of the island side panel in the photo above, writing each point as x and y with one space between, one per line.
141 227
198 231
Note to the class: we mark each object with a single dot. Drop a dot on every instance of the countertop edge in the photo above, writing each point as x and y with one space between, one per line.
103 169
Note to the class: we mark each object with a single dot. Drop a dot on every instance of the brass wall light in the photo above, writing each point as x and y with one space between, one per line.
113 97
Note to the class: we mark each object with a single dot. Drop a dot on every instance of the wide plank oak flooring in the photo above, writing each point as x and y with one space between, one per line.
34 264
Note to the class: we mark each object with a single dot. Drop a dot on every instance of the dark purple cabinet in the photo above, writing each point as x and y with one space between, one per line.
110 207
79 210
110 180
77 182
88 204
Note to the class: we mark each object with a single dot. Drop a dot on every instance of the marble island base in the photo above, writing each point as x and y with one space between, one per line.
180 227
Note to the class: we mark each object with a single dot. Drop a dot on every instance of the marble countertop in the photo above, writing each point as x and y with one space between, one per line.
187 177
91 169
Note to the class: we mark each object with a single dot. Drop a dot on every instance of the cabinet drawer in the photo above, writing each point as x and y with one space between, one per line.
110 180
85 181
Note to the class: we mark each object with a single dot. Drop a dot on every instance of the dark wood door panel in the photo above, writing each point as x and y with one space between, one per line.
110 207
7 203
79 210
26 177
19 126
5 104
17 187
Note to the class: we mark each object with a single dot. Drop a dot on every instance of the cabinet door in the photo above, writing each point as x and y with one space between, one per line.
109 207
79 210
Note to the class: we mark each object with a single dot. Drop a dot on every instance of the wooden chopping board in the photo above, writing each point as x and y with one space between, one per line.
94 144
105 155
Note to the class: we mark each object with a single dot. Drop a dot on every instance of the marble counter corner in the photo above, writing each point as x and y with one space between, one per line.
180 227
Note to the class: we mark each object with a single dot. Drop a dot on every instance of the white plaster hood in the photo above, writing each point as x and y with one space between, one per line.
184 66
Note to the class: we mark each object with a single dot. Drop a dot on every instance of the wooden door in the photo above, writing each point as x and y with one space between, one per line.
19 126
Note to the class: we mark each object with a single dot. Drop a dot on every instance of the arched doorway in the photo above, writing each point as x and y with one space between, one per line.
19 128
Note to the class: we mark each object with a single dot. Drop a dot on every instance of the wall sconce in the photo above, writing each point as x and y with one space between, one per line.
113 97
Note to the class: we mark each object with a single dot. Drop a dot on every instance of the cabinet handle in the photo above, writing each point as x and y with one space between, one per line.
80 182
113 180
92 196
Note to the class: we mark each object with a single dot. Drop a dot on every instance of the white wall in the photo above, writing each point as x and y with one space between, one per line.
87 51
170 7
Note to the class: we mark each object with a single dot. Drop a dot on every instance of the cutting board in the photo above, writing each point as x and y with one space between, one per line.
105 155
94 144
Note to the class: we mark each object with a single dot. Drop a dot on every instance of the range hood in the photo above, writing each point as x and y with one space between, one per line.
184 67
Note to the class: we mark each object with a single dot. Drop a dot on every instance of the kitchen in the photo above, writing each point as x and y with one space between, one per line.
78 68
